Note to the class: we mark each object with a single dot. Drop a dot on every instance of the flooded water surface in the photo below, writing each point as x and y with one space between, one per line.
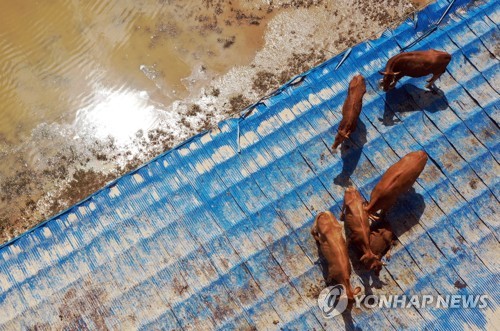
75 60
91 89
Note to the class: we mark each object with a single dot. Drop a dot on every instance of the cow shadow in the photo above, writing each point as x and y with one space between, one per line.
348 321
406 213
369 279
350 152
410 98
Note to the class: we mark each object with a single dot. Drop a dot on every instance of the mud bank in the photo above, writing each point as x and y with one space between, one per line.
171 77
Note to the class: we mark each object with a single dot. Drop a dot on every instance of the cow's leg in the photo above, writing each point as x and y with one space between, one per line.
342 212
388 254
397 78
430 81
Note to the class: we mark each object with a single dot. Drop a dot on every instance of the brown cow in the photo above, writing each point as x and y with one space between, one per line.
381 240
328 233
351 110
398 179
415 64
356 220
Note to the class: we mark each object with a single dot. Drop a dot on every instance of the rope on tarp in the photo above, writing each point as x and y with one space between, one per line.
419 39
415 21
244 115
296 80
431 29
346 55
447 10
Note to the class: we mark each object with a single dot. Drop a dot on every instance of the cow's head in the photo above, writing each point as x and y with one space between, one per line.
376 266
373 262
351 199
389 80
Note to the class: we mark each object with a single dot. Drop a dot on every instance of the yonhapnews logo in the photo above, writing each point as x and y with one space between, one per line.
332 301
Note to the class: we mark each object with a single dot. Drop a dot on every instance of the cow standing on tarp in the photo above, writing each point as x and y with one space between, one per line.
327 232
351 110
415 64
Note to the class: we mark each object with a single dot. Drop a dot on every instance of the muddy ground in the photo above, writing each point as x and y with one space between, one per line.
56 166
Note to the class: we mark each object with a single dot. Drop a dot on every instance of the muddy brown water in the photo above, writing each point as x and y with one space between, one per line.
90 90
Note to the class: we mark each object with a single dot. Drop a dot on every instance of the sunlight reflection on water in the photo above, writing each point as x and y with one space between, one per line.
119 114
